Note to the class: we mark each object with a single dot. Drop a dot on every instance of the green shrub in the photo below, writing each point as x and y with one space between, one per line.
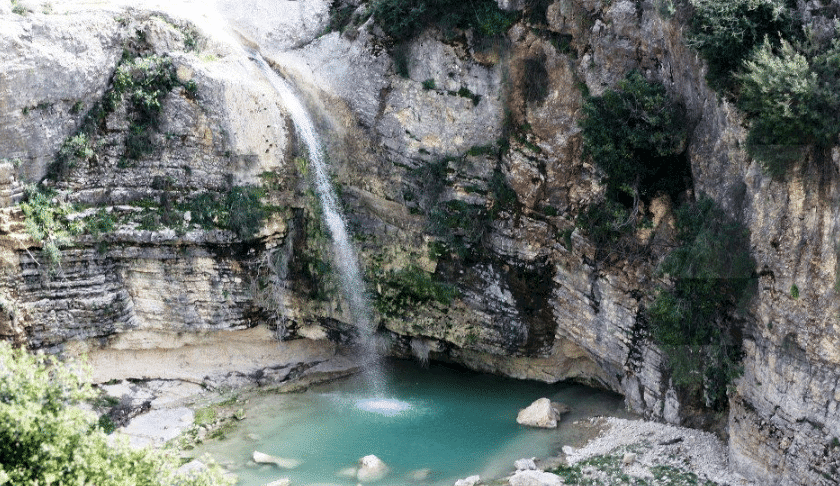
240 210
75 150
408 288
792 100
636 134
245 211
605 223
46 222
713 276
405 19
725 32
46 438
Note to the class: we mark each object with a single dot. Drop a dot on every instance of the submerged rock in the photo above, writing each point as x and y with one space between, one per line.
420 474
542 413
281 462
534 478
347 472
371 469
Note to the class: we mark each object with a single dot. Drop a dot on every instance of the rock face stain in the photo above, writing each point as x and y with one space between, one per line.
531 296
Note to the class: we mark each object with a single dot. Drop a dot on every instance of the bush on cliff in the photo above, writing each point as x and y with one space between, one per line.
405 19
46 439
712 271
636 135
793 99
726 32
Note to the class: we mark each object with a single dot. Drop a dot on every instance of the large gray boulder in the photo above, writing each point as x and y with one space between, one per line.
542 413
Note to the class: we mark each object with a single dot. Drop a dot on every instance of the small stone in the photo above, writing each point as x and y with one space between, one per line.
469 481
568 450
629 458
253 437
525 464
371 469
239 414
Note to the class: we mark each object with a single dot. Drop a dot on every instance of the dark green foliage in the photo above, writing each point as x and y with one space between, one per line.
245 211
74 151
239 210
405 19
106 424
460 225
46 438
144 82
408 288
504 197
713 275
399 53
100 223
605 223
636 135
340 16
536 11
429 84
725 32
464 92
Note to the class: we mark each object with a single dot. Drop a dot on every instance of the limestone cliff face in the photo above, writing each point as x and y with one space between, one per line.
475 147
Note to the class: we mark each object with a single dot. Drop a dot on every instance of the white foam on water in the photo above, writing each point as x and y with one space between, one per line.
384 406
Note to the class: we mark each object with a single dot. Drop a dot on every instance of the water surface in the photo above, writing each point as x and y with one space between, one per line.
454 422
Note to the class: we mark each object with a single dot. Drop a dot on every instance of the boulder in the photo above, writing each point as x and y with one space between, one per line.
371 469
530 477
281 462
470 481
542 413
525 464
629 458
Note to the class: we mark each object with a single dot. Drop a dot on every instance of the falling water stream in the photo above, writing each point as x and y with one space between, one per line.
344 255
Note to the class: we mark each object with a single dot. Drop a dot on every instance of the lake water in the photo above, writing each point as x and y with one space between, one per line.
454 422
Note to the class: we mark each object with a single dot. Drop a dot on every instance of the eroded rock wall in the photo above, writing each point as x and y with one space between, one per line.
475 144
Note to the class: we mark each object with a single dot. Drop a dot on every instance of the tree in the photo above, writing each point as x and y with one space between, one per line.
47 439
635 134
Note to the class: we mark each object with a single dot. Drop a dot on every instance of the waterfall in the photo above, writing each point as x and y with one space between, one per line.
344 255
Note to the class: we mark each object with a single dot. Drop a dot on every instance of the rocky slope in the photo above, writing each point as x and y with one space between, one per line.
460 169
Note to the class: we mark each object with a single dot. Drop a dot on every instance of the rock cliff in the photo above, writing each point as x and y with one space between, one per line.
458 160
